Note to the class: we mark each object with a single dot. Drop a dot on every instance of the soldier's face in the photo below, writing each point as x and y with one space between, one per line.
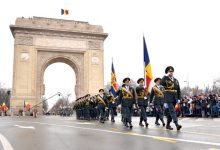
158 82
141 83
170 73
127 82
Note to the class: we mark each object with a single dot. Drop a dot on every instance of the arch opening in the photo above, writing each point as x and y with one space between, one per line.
59 76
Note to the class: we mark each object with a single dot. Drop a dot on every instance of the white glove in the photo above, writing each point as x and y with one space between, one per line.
165 105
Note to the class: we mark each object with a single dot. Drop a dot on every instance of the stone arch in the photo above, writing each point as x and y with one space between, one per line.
67 60
39 42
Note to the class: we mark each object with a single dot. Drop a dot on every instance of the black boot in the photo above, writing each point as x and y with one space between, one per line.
126 124
131 126
156 122
163 122
146 124
141 124
178 127
168 126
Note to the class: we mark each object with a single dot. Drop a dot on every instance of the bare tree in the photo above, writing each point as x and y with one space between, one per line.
216 86
45 105
61 104
5 95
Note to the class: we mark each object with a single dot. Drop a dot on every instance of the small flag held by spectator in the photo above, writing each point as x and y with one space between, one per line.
64 11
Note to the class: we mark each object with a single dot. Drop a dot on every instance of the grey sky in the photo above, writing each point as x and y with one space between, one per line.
184 34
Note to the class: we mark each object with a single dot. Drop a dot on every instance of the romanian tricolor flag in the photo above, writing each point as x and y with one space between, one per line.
64 11
27 106
114 85
147 67
4 107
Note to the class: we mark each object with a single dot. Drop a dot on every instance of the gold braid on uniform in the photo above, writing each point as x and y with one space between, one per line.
101 100
158 92
141 94
112 99
169 85
126 93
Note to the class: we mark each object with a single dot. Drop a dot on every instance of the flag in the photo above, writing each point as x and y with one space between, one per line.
114 85
64 11
4 107
147 67
27 106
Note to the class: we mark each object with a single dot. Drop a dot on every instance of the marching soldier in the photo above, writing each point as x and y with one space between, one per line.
127 98
112 105
171 96
142 101
81 109
87 107
95 108
157 97
102 104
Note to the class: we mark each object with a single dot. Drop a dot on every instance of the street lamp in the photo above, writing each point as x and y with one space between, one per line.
58 93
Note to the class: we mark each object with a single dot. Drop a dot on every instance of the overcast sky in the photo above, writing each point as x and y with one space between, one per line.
181 33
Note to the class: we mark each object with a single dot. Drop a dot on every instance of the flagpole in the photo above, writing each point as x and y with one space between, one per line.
144 62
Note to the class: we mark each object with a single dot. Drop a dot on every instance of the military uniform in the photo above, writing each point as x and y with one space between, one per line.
171 96
142 102
87 107
127 99
102 105
112 107
157 97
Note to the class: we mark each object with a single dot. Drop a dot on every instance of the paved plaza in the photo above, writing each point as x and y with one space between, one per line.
63 133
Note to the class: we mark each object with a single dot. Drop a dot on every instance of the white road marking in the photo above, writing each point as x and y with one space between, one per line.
82 123
5 143
134 134
25 127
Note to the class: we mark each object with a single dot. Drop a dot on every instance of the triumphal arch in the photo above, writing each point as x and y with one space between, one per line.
40 42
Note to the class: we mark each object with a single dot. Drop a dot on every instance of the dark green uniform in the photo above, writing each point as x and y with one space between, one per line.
157 97
127 99
87 108
142 104
171 96
112 107
102 104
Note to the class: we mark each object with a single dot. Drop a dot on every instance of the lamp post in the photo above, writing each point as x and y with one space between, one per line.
35 106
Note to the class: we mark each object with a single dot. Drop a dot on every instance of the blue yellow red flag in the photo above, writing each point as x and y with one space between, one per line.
64 11
147 67
114 85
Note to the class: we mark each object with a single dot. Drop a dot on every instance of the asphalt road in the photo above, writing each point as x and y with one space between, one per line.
64 133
